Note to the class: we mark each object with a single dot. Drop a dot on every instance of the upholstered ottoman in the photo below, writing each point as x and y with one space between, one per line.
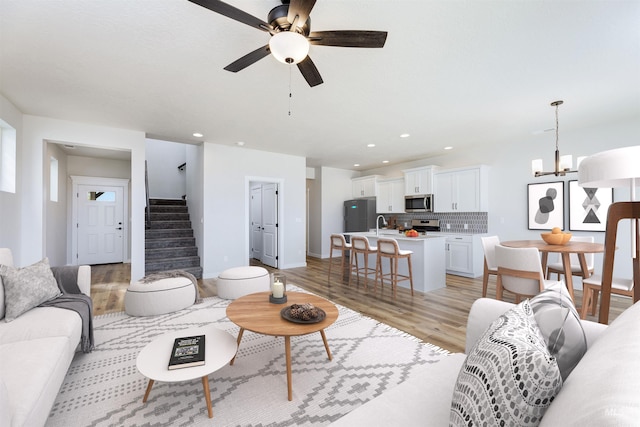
159 296
239 281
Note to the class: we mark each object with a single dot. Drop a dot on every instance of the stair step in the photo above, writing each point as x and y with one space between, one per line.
169 242
168 233
179 263
174 225
168 208
169 216
164 253
167 202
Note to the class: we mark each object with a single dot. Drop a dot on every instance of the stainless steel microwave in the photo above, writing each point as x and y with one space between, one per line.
418 203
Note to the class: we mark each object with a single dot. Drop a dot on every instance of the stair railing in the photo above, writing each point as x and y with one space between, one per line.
146 187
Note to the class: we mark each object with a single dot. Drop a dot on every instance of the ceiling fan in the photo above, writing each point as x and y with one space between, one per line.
290 27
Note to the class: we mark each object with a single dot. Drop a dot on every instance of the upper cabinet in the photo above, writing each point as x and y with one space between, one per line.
461 190
390 196
419 180
365 186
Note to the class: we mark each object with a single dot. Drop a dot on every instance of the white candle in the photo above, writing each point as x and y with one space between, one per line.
278 289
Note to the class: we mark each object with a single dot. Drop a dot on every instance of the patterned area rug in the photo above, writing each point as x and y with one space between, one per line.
104 388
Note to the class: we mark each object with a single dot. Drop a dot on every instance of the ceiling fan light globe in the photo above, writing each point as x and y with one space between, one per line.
289 47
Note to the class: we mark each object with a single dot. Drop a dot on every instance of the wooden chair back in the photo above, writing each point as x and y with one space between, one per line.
519 271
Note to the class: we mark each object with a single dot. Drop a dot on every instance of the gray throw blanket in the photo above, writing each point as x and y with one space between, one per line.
73 299
154 277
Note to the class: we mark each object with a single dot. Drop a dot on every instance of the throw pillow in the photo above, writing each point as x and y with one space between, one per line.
560 325
26 288
508 378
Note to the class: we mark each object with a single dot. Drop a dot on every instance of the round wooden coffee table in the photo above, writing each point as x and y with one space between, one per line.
255 313
153 360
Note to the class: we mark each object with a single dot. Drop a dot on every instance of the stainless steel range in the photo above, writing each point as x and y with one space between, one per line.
425 225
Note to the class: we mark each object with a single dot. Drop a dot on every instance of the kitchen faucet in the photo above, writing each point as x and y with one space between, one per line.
384 222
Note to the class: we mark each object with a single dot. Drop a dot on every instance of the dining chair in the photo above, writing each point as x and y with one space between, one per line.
338 243
618 211
520 272
489 246
557 267
389 248
360 246
591 290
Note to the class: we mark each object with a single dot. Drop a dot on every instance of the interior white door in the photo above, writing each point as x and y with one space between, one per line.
256 222
100 214
270 224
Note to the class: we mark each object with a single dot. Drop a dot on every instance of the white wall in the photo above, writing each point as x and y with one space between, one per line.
37 130
10 213
336 188
166 181
227 173
56 212
195 192
314 215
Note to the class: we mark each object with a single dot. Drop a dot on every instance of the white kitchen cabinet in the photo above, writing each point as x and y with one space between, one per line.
464 255
461 190
419 180
365 186
390 197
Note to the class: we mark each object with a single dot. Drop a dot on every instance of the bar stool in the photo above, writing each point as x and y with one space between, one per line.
360 245
338 243
388 248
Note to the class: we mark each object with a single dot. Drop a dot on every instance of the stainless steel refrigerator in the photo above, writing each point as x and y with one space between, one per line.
359 215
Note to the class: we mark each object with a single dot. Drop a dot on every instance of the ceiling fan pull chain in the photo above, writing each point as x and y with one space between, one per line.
290 67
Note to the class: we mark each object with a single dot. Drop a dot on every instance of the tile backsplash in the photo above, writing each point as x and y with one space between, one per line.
477 222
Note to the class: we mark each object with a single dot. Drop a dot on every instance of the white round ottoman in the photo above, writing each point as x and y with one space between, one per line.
159 297
239 281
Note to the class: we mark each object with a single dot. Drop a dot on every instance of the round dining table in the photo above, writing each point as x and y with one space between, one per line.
578 248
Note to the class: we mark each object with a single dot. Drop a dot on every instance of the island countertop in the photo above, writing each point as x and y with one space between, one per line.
428 258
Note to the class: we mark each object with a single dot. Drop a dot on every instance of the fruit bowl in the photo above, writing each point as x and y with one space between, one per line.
556 238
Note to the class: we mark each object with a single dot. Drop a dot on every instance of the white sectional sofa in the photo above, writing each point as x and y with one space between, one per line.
36 350
602 390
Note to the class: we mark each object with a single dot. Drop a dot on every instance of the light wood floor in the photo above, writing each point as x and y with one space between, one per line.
438 317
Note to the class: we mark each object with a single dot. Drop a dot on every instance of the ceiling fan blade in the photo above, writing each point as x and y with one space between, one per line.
301 8
310 72
231 12
248 59
348 38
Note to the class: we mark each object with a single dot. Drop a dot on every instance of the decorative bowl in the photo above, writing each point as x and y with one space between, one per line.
556 239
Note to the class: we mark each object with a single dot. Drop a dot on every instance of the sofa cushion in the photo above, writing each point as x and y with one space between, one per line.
604 388
43 322
509 377
560 326
26 288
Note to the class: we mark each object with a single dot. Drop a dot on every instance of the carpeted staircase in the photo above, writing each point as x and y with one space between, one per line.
169 241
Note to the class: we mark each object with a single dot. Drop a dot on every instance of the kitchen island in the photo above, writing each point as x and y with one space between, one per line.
427 261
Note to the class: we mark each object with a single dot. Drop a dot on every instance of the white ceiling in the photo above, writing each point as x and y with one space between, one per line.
453 72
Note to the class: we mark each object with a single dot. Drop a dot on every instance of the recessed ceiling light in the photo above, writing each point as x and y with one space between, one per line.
405 135
385 161
198 135
356 164
371 145
240 143
448 148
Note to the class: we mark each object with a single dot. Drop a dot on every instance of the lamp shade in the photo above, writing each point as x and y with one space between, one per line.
612 168
289 47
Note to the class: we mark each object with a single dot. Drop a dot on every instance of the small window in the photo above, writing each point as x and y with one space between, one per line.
101 196
7 158
53 179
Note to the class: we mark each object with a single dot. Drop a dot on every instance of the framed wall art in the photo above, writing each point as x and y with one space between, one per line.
588 207
546 205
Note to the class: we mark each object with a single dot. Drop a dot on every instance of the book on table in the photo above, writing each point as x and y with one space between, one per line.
187 351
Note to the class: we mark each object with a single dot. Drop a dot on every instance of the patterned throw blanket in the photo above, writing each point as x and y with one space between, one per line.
154 277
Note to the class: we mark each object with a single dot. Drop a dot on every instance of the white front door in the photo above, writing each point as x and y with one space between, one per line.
270 224
256 222
100 224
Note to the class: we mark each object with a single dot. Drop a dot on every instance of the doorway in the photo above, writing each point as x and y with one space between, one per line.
264 222
99 220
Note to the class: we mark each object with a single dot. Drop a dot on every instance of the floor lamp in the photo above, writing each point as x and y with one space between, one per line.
610 169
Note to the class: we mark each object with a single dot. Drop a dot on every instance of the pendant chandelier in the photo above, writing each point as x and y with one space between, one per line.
562 163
